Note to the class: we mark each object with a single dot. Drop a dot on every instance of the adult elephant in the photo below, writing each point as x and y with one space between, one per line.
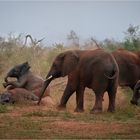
129 68
94 69
136 94
28 85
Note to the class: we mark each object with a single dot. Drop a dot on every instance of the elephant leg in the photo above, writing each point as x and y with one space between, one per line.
80 99
111 107
98 102
136 94
66 95
112 96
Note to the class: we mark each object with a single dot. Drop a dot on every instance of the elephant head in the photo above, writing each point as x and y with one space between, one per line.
136 94
17 71
63 64
6 98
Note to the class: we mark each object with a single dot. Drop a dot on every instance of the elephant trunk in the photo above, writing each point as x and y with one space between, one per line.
9 74
6 78
136 94
46 84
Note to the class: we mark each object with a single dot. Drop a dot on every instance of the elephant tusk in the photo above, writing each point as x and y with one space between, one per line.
49 77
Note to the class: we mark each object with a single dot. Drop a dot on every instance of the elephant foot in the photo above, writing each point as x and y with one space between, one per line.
61 107
79 110
95 111
134 102
111 110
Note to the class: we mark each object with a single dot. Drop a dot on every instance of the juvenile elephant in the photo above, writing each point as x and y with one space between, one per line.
129 68
27 85
94 69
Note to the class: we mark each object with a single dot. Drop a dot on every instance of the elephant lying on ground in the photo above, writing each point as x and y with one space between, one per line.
27 85
95 69
129 68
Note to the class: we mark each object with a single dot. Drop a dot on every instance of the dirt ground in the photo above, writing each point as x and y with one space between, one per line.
30 121
62 125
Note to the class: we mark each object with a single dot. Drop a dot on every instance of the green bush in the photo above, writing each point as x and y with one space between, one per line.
132 39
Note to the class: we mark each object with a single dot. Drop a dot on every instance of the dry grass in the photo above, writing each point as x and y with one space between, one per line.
29 121
26 120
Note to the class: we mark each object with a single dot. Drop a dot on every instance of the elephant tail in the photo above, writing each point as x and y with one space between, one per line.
115 74
111 77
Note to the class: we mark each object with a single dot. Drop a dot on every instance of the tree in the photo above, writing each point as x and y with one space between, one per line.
132 39
73 38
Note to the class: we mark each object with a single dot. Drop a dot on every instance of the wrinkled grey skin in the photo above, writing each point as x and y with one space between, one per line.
27 85
18 72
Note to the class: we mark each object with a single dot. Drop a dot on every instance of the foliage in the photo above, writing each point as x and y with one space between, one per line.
73 38
111 44
15 50
132 39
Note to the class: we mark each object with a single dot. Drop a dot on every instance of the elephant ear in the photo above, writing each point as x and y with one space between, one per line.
70 62
24 68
